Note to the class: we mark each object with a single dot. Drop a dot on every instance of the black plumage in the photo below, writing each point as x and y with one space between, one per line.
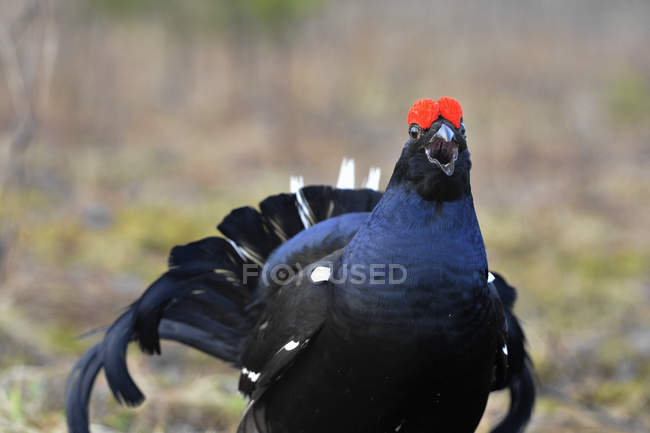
322 345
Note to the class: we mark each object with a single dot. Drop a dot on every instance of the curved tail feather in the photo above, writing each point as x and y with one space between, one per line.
522 402
203 300
79 387
520 380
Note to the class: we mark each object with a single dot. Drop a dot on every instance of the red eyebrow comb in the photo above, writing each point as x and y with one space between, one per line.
423 113
450 110
426 111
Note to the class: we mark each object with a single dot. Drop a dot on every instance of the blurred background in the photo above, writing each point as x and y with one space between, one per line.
127 127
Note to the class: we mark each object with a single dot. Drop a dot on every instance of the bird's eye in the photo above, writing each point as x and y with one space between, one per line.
414 132
462 128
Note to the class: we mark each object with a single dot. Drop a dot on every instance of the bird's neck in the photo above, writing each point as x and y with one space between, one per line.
431 261
408 229
401 206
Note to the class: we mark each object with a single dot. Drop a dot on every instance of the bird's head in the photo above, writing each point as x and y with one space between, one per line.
435 159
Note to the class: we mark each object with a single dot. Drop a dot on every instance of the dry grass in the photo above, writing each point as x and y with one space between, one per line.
147 136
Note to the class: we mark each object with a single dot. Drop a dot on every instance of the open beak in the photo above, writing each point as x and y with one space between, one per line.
442 151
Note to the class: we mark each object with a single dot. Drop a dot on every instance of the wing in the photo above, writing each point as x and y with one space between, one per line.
291 319
292 316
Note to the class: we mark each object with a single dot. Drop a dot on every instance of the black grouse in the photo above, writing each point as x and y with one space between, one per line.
347 310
